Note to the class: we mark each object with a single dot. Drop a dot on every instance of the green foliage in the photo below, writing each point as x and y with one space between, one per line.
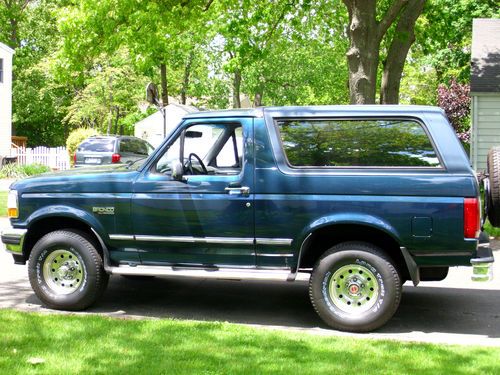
3 203
118 346
76 137
21 171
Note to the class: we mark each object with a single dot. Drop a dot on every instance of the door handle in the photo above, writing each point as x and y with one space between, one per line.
242 190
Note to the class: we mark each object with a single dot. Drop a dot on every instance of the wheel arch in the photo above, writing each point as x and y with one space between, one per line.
318 240
45 221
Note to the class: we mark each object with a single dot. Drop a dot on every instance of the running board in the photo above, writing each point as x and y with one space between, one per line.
208 273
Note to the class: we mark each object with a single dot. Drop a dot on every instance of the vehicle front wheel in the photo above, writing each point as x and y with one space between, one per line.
66 271
355 287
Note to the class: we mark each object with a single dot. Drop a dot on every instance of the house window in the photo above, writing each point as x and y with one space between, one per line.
1 70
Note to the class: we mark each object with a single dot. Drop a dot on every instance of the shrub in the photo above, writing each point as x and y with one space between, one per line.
76 137
21 171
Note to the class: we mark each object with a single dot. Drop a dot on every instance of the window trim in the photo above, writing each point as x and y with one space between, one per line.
440 168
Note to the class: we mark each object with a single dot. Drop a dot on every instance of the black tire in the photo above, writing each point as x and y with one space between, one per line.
66 271
493 192
355 287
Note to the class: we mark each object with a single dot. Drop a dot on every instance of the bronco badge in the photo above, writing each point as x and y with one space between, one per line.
104 210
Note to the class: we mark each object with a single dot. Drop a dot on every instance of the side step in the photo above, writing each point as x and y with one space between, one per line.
208 273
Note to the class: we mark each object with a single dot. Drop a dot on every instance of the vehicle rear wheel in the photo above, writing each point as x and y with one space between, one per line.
355 287
66 271
492 192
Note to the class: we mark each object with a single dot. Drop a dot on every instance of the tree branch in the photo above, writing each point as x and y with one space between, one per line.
207 5
389 17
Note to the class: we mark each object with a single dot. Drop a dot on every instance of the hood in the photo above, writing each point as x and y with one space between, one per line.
99 179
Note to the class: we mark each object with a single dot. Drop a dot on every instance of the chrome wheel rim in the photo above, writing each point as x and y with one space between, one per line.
354 289
63 271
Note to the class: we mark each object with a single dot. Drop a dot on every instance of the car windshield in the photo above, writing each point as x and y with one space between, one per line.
97 145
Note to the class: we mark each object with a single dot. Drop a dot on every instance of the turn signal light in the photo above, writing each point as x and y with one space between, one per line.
115 158
472 218
12 213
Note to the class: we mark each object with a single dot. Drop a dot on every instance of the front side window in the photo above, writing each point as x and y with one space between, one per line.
215 149
356 143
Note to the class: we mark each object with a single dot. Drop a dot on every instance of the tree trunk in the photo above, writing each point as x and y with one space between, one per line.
404 37
236 89
257 101
110 118
14 42
164 84
187 74
363 53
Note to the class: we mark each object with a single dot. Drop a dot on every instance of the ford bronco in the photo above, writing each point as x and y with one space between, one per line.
359 199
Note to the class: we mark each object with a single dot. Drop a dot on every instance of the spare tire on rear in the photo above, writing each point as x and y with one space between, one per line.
492 190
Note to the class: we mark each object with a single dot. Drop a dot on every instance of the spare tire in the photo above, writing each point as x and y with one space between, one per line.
492 190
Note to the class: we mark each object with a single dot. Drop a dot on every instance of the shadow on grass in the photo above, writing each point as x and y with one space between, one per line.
70 344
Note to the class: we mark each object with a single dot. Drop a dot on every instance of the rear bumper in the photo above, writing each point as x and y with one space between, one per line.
482 269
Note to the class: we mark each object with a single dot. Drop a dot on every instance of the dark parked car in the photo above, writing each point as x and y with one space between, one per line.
111 149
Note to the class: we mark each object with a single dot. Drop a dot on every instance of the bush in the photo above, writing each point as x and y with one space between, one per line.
21 171
76 137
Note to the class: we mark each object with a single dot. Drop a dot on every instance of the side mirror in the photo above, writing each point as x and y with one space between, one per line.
177 170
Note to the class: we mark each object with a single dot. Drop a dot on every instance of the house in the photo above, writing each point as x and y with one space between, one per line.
485 89
151 128
6 54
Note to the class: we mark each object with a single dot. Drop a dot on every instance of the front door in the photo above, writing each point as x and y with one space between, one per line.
193 205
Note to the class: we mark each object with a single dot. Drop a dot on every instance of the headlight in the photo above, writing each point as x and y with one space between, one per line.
12 205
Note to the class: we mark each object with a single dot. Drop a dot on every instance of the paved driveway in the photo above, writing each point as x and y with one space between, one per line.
455 310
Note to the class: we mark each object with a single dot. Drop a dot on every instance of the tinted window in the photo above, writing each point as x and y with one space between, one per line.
134 146
356 143
97 145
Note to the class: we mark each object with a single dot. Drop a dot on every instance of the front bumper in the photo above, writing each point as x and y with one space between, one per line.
482 269
13 239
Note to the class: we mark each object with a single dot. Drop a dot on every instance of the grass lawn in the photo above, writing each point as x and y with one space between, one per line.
3 203
95 344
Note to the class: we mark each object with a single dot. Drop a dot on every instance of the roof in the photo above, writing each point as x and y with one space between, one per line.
485 59
318 110
6 48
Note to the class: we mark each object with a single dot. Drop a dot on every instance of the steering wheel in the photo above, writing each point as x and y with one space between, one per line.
189 164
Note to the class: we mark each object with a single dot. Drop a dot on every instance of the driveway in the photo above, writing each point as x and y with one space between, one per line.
455 311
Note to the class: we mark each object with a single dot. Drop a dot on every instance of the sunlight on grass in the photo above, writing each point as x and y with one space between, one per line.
3 203
94 344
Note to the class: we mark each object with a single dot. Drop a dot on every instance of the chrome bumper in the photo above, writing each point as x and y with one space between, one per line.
482 264
13 240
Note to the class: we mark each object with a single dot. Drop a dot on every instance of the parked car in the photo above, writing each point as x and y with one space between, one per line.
99 150
359 199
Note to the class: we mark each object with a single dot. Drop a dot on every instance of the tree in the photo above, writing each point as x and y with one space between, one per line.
366 33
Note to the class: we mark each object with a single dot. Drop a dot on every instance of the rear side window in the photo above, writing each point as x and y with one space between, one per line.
97 145
356 143
135 146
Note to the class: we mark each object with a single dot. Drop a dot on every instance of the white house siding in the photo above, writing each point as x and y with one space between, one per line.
6 100
486 127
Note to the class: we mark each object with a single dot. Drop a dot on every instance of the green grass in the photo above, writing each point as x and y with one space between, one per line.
95 344
491 230
3 203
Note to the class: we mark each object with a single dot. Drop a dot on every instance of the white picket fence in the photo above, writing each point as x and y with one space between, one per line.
55 157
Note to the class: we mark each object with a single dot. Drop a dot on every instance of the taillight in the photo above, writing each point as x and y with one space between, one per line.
472 217
115 158
74 158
